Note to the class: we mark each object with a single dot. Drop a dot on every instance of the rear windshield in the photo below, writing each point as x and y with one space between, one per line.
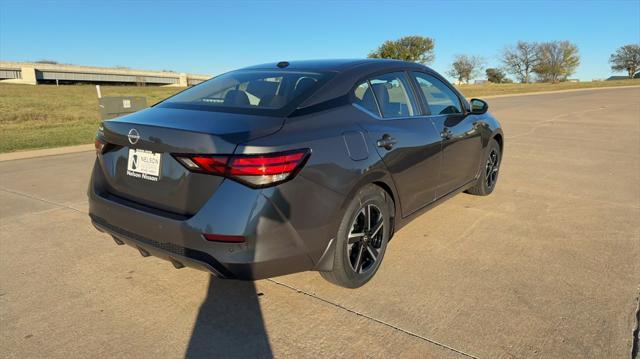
249 91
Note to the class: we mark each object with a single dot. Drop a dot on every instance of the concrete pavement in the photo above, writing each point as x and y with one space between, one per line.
547 266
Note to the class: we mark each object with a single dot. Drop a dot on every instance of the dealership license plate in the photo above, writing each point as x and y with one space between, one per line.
143 164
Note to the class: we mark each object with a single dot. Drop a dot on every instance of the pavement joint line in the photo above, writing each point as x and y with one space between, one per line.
40 199
379 321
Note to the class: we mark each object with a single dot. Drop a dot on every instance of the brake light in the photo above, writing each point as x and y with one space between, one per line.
260 170
99 144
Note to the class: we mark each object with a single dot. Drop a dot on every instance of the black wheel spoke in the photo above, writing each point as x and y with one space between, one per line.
376 228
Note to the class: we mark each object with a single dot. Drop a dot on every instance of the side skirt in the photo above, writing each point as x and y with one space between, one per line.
410 217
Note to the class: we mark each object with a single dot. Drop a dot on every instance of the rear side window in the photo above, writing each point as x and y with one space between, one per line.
394 95
440 98
364 98
250 90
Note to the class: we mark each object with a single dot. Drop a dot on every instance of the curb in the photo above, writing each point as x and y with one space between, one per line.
21 155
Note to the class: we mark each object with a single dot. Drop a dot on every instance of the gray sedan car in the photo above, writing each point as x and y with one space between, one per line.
291 166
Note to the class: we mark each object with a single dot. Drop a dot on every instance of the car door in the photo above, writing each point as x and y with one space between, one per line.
404 137
461 139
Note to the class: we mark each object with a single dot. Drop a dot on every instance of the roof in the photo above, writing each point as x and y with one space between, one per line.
335 65
347 73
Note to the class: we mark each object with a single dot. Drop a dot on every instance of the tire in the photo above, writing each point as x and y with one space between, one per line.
488 178
368 248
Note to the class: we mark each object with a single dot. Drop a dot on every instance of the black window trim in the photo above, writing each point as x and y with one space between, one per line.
426 111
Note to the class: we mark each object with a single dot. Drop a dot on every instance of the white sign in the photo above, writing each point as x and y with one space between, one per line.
143 164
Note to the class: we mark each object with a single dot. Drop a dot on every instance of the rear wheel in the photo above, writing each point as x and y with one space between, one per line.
489 174
362 239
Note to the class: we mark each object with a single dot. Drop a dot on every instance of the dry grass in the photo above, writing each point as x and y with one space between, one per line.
49 116
490 89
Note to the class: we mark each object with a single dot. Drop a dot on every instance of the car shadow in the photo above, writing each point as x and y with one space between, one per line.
229 323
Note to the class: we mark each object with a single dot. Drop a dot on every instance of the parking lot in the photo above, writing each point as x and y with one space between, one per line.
547 266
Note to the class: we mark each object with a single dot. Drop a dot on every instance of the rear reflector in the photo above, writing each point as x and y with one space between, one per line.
256 171
223 238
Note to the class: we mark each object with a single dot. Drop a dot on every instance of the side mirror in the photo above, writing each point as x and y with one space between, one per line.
478 107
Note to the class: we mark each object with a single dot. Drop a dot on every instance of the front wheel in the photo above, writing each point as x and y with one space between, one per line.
489 172
362 239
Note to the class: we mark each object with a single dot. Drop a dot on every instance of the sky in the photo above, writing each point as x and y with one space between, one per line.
211 37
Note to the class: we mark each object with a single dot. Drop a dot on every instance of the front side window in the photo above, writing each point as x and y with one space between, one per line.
393 95
441 99
251 90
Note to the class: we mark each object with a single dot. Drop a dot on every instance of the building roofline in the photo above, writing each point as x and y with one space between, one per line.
95 69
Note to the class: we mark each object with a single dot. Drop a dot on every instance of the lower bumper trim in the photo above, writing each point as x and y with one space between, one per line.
169 251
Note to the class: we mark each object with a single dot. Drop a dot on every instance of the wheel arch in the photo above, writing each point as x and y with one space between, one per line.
498 137
392 204
380 178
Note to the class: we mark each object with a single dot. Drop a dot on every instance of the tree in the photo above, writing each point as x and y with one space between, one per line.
557 60
465 67
409 48
626 58
496 75
519 60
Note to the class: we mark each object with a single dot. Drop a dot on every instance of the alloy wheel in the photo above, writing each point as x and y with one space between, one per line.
491 174
365 238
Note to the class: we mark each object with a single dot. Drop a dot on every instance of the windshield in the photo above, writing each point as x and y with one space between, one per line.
249 91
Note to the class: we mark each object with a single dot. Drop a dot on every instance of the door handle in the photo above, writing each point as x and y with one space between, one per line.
446 133
387 142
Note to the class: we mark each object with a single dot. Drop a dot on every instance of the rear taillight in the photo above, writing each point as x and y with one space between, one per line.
261 170
99 144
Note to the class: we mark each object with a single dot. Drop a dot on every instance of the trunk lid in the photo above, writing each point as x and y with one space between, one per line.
137 164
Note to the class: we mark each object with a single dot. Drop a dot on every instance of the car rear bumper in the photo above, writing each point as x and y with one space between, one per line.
179 256
273 245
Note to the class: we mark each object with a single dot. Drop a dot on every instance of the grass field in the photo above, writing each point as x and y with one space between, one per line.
507 89
48 116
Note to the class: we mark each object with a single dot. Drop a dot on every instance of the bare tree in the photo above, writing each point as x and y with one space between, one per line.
626 58
557 60
465 67
409 48
519 60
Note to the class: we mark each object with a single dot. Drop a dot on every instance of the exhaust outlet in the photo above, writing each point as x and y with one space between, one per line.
143 252
177 264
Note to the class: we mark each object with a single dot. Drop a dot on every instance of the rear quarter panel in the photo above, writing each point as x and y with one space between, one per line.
315 200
